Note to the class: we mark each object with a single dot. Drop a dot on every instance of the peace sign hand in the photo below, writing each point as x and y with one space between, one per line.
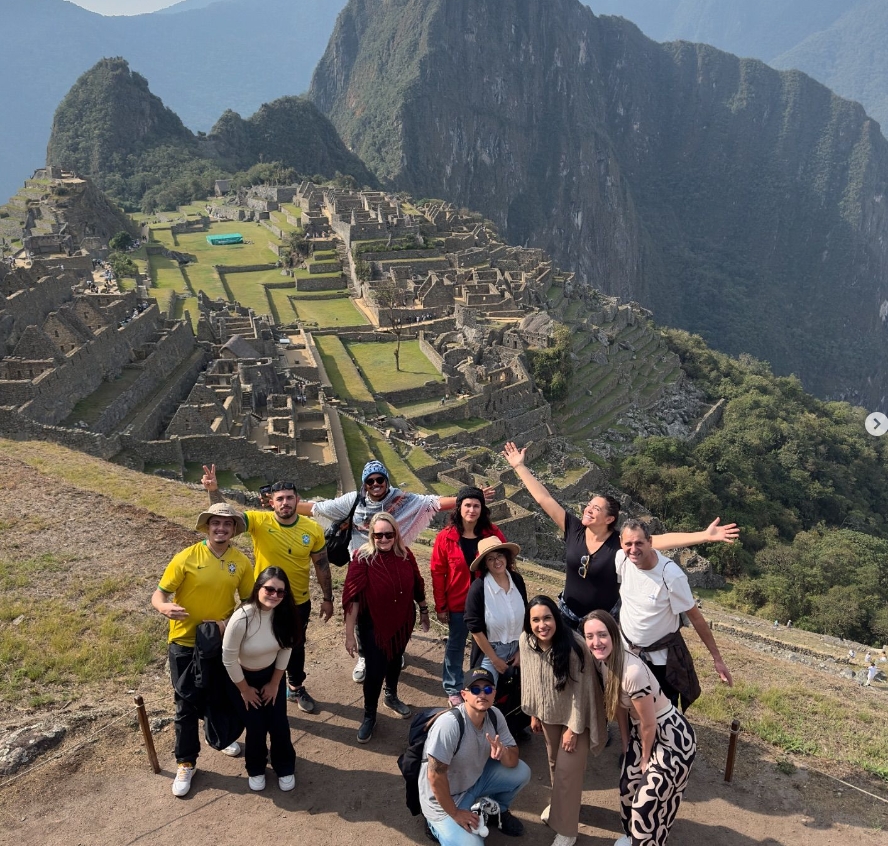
496 747
208 480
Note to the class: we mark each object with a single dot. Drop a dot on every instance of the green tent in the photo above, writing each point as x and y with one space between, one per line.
221 240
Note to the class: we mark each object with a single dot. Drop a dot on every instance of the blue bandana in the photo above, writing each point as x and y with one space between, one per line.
372 467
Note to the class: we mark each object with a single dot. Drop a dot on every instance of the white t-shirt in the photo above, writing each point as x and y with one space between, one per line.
503 612
652 601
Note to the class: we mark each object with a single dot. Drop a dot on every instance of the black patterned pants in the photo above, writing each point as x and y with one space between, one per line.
649 801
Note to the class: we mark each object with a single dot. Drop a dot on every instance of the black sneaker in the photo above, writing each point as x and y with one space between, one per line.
365 732
391 701
509 825
431 834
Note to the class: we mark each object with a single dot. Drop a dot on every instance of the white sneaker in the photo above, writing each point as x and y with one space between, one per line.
563 840
544 817
182 781
232 751
286 783
624 841
360 670
257 782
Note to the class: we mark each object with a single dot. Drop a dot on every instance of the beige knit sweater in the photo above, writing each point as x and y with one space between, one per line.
579 706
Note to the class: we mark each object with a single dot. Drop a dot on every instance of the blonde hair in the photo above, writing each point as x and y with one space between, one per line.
614 662
368 550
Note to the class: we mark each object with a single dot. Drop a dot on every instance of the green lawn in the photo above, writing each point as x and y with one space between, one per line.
249 291
326 314
445 429
165 273
421 407
293 211
355 445
189 303
281 310
258 252
280 220
376 360
344 376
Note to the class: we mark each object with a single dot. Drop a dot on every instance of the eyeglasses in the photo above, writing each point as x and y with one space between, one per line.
584 566
477 691
381 535
376 480
283 486
273 590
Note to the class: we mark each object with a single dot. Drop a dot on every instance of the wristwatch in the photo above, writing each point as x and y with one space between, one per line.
328 599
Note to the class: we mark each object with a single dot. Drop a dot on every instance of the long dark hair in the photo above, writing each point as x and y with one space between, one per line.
484 523
285 621
563 642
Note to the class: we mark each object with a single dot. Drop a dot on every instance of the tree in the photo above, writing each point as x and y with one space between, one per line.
122 265
389 297
122 241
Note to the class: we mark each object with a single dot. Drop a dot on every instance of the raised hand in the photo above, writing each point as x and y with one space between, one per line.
489 493
513 455
725 534
208 480
496 747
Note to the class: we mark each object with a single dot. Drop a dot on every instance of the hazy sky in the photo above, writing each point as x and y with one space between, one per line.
123 7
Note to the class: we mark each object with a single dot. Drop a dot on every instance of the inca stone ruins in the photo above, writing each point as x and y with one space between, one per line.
347 324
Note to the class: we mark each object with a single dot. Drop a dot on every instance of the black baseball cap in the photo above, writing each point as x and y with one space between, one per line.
476 675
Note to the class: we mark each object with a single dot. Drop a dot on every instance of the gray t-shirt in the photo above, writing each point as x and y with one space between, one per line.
466 766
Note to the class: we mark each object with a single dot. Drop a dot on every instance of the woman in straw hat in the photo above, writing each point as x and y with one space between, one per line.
495 606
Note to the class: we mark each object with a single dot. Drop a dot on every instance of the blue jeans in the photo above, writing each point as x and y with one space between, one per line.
502 650
500 783
454 652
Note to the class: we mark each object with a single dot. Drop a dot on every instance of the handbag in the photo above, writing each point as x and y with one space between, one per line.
338 538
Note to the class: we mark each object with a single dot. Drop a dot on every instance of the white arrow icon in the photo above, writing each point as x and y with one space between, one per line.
877 424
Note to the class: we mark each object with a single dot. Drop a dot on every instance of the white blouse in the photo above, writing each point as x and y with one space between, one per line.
503 611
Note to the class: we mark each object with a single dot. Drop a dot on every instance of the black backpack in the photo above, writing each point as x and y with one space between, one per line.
410 760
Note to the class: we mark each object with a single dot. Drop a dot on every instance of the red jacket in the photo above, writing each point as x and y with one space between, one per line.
451 577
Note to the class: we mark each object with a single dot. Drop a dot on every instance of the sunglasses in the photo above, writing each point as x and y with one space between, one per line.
381 535
376 480
265 490
283 486
273 590
584 566
477 691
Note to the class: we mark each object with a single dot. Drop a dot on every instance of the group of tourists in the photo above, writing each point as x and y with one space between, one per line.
608 648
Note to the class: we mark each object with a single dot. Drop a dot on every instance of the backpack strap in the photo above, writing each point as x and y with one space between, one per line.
460 721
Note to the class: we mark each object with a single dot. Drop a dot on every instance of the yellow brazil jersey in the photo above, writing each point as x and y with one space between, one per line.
288 547
204 586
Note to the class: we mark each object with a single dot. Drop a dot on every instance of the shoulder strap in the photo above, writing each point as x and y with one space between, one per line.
460 721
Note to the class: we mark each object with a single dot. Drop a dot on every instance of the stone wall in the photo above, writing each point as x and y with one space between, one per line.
31 306
148 424
153 452
330 266
246 459
244 268
56 392
326 283
423 392
170 352
431 353
16 427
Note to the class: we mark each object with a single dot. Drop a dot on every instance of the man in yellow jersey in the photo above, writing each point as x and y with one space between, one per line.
203 579
282 538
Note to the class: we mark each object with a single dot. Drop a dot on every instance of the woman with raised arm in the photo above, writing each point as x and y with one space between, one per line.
456 547
256 647
382 584
592 543
658 742
561 692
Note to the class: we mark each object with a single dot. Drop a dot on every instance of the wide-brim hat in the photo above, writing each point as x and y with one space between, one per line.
491 544
221 509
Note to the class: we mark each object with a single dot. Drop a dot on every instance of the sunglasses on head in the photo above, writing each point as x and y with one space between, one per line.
283 486
274 590
376 480
477 690
381 535
265 490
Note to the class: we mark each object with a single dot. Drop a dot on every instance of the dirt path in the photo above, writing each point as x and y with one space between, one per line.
346 793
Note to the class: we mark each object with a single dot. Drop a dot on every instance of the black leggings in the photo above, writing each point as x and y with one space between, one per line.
379 668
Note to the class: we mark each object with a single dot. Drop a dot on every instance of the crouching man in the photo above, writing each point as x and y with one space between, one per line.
466 759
